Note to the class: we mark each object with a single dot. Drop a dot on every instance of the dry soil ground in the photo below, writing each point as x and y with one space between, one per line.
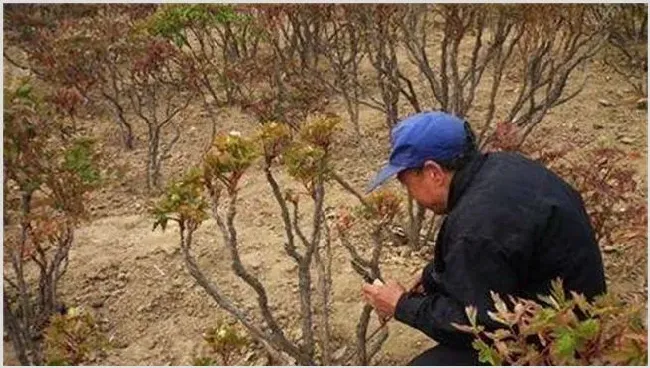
133 278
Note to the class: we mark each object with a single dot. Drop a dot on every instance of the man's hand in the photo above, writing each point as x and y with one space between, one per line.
383 298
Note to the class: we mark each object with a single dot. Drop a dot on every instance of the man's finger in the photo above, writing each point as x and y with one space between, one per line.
367 292
369 289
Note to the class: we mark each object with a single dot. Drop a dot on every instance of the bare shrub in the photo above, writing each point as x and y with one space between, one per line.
540 46
628 39
80 48
373 218
161 86
458 51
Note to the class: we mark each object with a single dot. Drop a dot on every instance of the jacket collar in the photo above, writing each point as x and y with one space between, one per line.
463 178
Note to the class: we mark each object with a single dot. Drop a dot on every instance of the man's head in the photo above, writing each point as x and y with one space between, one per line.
427 149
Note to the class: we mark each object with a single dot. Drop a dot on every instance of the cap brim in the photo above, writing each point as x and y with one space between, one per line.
386 173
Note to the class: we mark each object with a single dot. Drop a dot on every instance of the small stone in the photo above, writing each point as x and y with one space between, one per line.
627 140
98 303
293 267
99 276
610 249
340 353
605 103
642 103
598 126
120 344
255 264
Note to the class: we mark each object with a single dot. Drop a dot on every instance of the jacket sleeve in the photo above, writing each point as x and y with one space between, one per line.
474 266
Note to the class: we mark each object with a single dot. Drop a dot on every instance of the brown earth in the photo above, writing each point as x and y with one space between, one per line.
134 279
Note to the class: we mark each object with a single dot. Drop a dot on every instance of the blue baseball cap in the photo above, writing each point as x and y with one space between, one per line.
436 136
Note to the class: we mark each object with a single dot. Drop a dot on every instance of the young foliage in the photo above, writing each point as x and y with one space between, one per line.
275 138
73 338
562 331
184 199
306 159
220 42
173 21
216 186
223 342
230 154
47 177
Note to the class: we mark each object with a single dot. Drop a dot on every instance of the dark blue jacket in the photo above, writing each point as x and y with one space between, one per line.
512 227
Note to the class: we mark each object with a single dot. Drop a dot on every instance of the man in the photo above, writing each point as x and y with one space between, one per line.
512 226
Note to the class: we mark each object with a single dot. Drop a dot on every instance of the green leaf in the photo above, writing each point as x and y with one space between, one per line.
565 344
588 329
178 39
24 90
204 361
471 313
162 222
79 160
486 354
57 362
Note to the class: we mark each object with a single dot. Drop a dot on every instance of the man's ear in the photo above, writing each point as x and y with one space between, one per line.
435 171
